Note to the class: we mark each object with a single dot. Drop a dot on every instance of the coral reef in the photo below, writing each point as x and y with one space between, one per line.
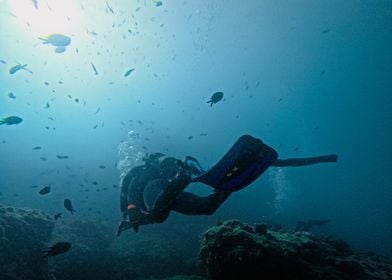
235 249
23 234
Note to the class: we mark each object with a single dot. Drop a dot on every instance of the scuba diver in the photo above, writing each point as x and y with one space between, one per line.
150 191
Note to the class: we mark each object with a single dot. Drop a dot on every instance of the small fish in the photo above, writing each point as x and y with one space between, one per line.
45 190
325 31
18 67
34 187
94 68
129 72
35 3
215 98
62 157
43 158
11 95
37 148
102 166
57 216
59 41
3 61
92 32
11 120
190 137
94 183
68 205
109 8
158 3
97 111
203 134
47 105
57 249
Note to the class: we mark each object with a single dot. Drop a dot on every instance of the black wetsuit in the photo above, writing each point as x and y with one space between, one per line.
174 179
173 176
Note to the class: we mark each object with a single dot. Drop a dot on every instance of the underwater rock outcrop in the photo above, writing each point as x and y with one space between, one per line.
235 249
23 234
88 258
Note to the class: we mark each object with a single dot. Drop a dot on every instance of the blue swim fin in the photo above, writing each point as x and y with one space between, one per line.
246 160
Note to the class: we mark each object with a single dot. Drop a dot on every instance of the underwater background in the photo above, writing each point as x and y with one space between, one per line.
307 77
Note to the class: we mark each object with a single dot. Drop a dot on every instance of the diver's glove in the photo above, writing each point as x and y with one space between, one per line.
124 225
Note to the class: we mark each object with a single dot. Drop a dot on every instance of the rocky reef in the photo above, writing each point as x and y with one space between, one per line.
235 249
155 254
23 234
89 257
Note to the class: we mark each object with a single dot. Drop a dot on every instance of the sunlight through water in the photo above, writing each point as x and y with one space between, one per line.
42 18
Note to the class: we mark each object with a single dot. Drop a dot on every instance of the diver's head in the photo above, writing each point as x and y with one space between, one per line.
170 167
152 160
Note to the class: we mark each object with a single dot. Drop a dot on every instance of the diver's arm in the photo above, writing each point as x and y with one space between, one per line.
124 191
304 161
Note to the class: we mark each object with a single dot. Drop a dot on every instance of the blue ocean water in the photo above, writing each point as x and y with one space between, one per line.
307 77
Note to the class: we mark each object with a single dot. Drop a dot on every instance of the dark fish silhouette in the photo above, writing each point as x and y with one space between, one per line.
68 205
11 120
11 95
18 67
94 68
45 190
129 72
57 216
37 148
62 157
215 98
109 8
57 249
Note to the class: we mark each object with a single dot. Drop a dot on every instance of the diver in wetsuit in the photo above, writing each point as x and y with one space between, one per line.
247 159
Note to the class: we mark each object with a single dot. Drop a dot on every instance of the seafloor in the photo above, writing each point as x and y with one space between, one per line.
229 250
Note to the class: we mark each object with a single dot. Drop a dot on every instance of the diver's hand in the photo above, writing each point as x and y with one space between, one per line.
124 225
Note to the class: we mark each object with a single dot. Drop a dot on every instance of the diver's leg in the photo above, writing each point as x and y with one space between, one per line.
304 161
191 204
